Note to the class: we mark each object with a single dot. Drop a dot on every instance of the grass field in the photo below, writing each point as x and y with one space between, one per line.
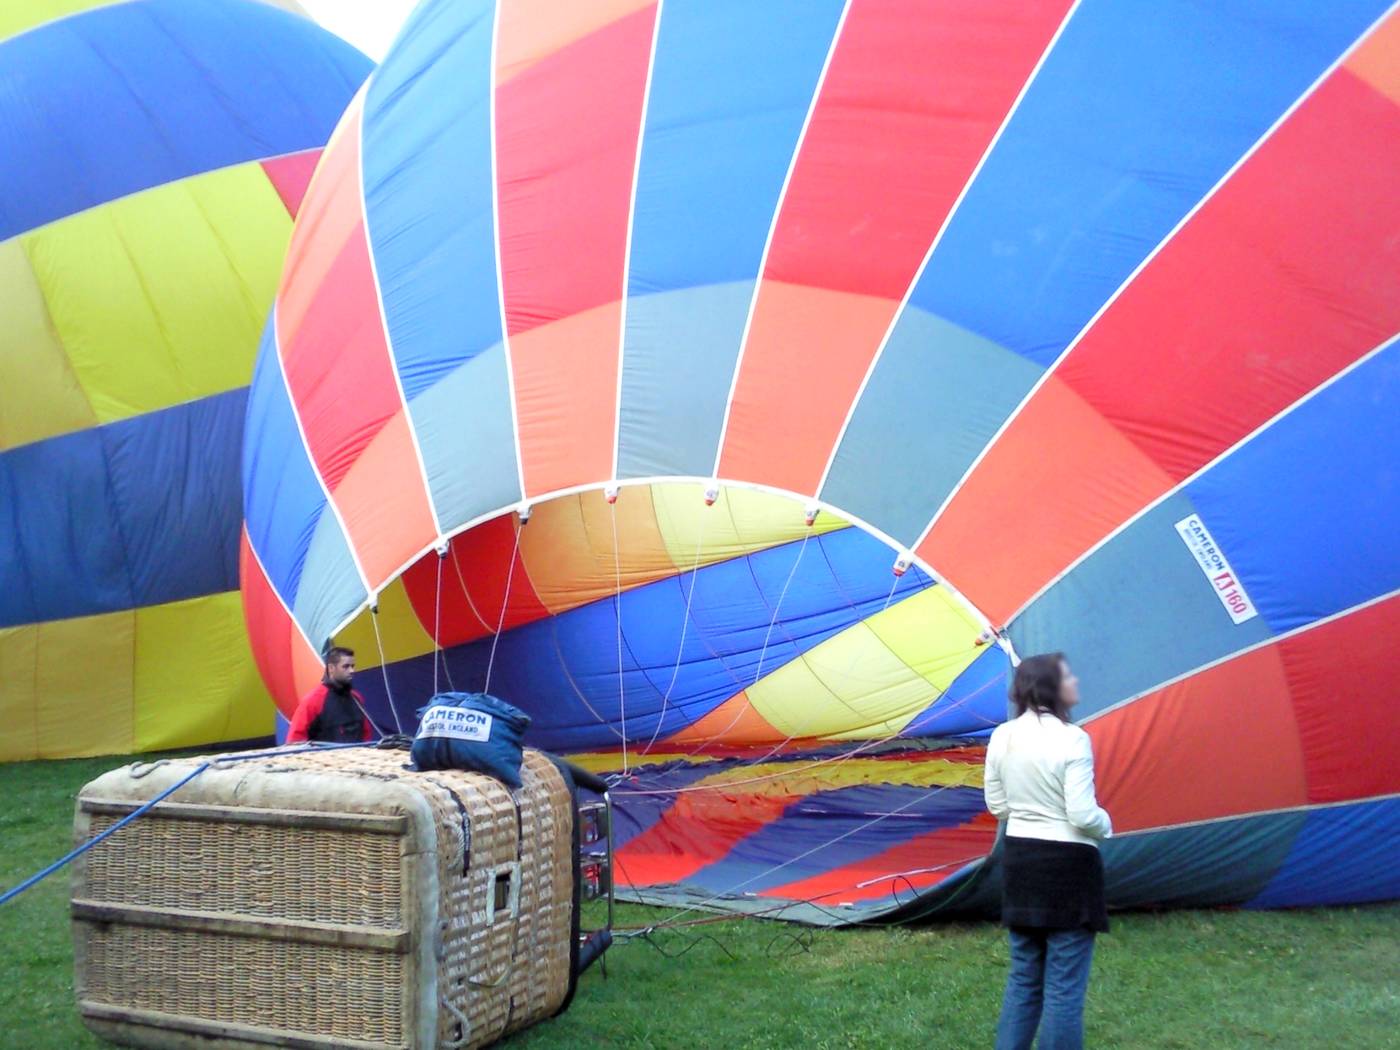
1327 978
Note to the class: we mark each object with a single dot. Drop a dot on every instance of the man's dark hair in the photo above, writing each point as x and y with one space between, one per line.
1036 686
336 652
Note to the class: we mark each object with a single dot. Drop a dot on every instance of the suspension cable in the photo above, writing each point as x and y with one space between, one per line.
767 635
505 603
437 621
384 667
617 605
685 624
851 666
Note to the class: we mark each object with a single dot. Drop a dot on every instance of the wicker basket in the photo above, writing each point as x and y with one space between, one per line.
324 899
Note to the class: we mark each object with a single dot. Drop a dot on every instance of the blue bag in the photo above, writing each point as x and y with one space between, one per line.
472 731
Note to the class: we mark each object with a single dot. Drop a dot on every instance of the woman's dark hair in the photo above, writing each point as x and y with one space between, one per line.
1036 686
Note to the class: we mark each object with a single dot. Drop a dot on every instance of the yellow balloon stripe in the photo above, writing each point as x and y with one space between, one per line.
187 695
799 777
661 530
18 16
803 775
153 691
160 298
42 395
740 522
870 680
403 636
567 549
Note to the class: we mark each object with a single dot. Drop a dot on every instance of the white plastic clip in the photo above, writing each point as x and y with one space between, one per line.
610 494
810 515
524 511
711 493
442 548
902 563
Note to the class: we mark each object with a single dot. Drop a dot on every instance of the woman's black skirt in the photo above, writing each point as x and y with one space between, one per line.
1052 885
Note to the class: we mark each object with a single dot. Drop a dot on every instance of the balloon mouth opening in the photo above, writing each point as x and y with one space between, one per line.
677 614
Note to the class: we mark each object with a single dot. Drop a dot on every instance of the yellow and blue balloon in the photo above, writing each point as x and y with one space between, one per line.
155 152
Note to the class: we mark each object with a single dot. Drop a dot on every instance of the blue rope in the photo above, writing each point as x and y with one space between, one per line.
78 851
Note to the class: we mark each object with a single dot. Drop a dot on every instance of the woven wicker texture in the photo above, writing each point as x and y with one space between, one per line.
250 870
332 897
243 980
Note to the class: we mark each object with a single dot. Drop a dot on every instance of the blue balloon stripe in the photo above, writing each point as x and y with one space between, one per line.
731 85
1222 862
973 705
1073 197
1328 542
287 515
428 194
1141 610
235 82
138 512
897 453
1341 855
1136 113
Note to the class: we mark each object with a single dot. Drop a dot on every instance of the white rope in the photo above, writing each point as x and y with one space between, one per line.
763 652
438 650
505 603
384 667
461 582
850 669
685 625
437 623
758 671
617 601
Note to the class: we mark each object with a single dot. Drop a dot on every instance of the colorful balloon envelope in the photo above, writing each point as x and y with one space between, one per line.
154 154
839 354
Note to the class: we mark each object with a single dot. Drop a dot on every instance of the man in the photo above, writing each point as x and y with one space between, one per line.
332 712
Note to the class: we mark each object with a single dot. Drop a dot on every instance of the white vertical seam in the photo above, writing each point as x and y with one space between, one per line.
496 237
311 458
772 229
384 320
1180 485
937 238
1141 266
627 256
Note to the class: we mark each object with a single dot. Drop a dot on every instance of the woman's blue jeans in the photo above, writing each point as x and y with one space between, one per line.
1045 989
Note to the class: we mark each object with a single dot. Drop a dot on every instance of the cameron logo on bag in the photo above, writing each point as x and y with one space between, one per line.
1212 562
456 723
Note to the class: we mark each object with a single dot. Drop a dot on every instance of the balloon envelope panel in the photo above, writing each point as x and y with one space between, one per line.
1089 309
156 152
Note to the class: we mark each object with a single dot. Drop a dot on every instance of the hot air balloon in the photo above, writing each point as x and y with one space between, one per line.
741 388
154 152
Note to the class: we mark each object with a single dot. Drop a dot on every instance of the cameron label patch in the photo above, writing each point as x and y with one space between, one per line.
456 723
1217 570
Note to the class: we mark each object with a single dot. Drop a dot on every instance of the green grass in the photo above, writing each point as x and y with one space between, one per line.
1325 978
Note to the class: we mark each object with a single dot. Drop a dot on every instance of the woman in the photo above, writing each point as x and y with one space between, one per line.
1040 780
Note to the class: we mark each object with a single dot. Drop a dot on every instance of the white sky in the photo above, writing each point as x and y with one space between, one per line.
368 24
